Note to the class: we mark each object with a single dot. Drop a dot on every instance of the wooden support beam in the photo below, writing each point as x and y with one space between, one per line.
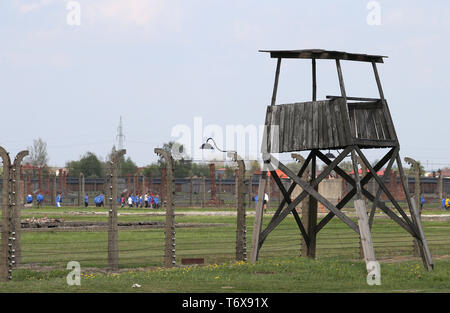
379 189
363 224
257 224
275 221
366 193
288 200
385 189
314 80
292 186
275 85
309 188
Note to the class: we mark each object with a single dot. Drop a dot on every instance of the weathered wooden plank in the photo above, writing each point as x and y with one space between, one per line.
379 125
304 125
323 137
375 143
351 112
292 125
359 123
331 124
266 135
315 125
387 114
338 122
372 133
309 125
365 105
353 98
287 129
276 129
384 125
297 127
282 133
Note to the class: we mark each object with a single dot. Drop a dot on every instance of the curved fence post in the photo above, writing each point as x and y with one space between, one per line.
241 229
416 168
5 262
17 205
169 254
113 230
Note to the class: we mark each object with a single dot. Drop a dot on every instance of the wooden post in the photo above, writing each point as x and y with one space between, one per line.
314 80
113 229
363 172
257 225
169 252
310 215
440 186
275 85
363 223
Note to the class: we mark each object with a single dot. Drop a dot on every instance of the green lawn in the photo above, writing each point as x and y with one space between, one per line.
279 269
279 275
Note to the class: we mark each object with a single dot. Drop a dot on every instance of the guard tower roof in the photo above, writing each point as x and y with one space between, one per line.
324 54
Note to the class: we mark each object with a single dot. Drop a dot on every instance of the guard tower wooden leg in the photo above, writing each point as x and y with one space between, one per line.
363 220
309 216
257 224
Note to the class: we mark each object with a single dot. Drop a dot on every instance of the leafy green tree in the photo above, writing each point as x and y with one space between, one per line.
89 165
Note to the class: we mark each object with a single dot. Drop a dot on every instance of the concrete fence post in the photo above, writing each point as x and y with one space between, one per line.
241 228
416 168
17 206
169 251
113 229
11 199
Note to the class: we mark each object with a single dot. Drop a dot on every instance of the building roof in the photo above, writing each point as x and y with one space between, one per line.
324 54
280 173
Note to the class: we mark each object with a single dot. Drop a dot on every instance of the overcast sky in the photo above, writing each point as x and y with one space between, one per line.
163 63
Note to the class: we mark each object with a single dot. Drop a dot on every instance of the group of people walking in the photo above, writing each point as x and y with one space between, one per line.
148 200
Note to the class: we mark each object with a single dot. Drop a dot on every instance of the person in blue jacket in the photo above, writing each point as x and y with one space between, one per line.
98 200
86 200
29 198
58 200
422 201
39 199
443 203
156 201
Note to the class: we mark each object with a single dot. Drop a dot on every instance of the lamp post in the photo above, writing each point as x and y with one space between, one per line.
241 231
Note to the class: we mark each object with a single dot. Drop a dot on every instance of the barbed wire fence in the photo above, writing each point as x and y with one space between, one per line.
199 219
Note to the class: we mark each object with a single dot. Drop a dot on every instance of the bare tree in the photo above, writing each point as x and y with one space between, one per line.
38 153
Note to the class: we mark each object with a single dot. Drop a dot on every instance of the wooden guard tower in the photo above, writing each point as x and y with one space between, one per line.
339 122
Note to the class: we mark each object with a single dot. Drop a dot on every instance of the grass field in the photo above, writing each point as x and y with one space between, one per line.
279 269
